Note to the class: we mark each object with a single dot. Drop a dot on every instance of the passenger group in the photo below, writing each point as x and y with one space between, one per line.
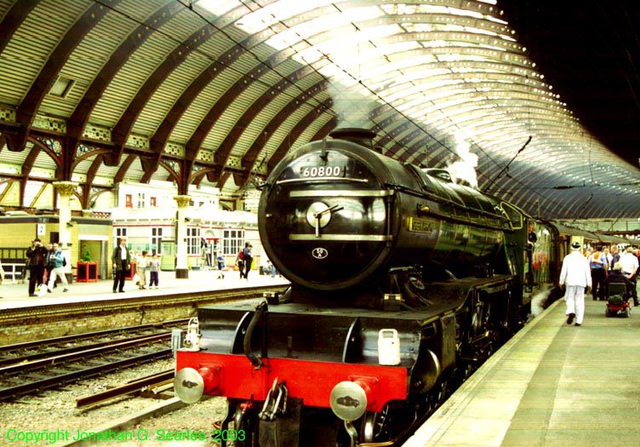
592 271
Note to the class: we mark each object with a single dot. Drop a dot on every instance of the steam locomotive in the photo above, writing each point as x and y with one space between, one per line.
402 283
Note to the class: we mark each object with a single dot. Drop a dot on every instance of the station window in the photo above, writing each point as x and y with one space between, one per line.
152 201
141 200
232 241
156 240
120 232
193 241
128 201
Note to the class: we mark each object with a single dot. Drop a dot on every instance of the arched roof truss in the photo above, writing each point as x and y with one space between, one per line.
217 92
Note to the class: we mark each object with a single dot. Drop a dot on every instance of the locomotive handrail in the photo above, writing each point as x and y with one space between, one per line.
445 200
341 193
341 237
464 221
508 205
322 180
255 360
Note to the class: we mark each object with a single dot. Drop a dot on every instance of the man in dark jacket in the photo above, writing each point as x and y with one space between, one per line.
121 260
616 276
248 259
37 255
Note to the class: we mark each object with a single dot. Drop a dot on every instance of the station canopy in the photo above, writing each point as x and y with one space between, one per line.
216 92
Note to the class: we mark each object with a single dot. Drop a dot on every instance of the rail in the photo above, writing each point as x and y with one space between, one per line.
134 386
58 369
9 353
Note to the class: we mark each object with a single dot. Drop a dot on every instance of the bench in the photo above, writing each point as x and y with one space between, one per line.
13 269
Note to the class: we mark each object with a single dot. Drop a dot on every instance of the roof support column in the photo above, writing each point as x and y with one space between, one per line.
65 191
182 264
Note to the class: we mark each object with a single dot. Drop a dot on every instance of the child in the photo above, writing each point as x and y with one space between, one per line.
141 270
220 260
153 265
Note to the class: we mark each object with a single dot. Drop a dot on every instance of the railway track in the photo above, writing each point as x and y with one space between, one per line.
40 349
31 367
161 381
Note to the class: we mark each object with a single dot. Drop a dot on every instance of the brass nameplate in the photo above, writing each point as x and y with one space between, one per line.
421 225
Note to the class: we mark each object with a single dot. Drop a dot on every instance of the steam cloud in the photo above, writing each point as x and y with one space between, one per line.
538 301
352 106
464 168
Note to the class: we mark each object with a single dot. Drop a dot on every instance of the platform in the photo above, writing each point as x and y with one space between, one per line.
553 384
16 295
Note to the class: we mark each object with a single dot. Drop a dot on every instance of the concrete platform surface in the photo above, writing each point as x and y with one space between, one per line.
553 384
16 295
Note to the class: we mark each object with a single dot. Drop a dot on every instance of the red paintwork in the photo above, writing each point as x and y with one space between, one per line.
618 307
234 377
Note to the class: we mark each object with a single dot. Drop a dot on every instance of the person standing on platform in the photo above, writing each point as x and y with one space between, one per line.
575 276
248 259
615 256
240 262
153 265
49 264
121 260
609 256
599 266
141 270
58 263
629 262
37 255
220 260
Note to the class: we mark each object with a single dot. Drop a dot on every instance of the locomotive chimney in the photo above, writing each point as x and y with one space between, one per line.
357 135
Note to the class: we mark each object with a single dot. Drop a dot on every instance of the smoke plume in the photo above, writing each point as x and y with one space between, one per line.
352 106
464 169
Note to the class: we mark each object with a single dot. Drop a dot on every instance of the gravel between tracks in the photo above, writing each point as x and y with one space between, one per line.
55 411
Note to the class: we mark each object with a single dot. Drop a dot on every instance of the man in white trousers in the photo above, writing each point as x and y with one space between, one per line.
574 278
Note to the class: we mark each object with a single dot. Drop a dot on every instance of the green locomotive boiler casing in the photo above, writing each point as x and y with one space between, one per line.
372 246
337 214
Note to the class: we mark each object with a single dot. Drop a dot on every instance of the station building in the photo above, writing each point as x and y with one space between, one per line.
146 215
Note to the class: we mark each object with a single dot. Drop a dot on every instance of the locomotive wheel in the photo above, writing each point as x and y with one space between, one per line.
240 420
436 397
387 424
489 350
468 370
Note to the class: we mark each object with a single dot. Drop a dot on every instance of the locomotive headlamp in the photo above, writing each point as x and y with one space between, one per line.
319 215
192 339
349 399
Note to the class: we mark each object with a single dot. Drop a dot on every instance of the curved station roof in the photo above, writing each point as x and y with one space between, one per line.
215 92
